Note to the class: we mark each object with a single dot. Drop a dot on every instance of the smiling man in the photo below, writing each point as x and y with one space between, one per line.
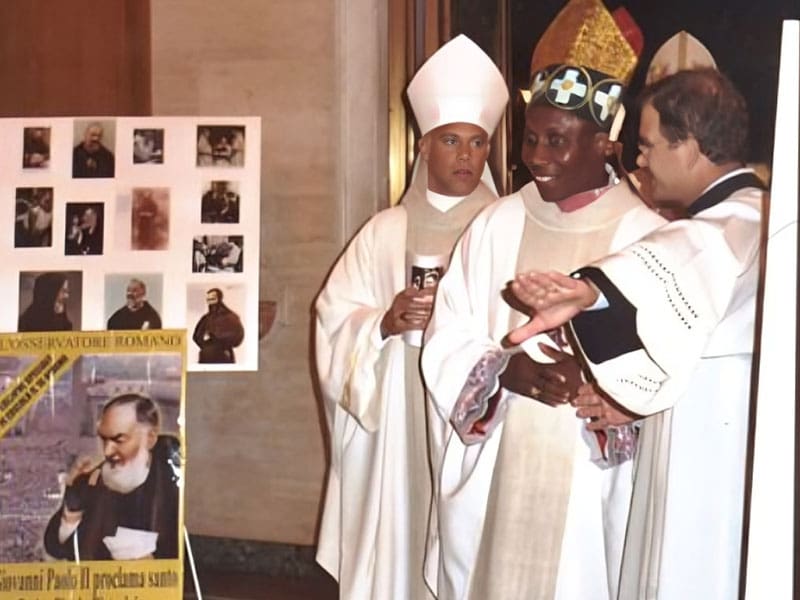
674 342
524 511
373 532
137 313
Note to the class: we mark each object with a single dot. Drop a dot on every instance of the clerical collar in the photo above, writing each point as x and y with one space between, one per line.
441 202
581 199
724 187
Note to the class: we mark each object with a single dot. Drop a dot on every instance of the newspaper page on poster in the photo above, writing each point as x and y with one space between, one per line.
92 467
138 223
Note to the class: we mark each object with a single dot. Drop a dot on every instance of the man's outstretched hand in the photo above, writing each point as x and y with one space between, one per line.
551 298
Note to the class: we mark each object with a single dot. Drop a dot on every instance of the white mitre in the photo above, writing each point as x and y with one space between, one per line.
459 83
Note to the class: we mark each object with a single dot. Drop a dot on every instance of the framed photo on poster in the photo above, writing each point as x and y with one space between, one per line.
92 464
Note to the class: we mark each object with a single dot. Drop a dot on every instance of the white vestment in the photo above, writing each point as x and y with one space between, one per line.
692 285
372 535
469 319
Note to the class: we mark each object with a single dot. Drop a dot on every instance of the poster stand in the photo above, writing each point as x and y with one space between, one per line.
190 557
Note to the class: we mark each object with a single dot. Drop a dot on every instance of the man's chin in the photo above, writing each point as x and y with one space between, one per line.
123 479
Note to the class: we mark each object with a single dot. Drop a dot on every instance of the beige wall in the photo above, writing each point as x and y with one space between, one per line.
255 452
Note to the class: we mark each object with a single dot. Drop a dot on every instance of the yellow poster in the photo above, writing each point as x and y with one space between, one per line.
92 465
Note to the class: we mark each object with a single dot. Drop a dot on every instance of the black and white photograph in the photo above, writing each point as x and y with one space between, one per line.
84 228
220 202
35 147
93 149
220 146
148 146
425 277
217 254
33 220
50 300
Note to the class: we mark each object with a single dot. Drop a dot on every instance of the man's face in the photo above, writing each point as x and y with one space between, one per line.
666 164
122 437
219 188
456 154
134 295
89 218
212 299
564 153
126 447
92 138
60 304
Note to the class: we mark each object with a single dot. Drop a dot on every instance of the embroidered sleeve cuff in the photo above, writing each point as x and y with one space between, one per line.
478 408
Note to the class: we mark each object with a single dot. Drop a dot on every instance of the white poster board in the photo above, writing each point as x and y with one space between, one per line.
128 210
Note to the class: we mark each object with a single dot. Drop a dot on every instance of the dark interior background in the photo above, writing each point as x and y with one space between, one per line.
743 36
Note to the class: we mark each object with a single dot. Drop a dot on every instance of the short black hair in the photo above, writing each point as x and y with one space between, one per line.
217 291
703 104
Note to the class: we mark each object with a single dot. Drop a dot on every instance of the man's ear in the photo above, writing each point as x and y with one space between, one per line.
603 145
693 153
152 437
425 146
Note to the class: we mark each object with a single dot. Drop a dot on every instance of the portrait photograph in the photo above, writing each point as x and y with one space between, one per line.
217 254
35 147
425 277
133 300
220 202
93 148
148 146
64 453
220 146
84 228
149 218
33 220
214 321
50 301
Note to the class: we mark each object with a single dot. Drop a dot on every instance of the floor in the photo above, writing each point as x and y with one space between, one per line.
218 585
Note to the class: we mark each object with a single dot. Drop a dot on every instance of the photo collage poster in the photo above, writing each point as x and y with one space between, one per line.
92 465
112 223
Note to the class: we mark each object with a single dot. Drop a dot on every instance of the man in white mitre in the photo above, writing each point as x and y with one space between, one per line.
530 503
369 319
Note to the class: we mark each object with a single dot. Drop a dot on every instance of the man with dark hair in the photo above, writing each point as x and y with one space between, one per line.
674 343
125 506
91 158
218 331
137 313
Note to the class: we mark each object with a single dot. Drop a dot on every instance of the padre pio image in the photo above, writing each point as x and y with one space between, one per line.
218 329
217 254
148 146
93 466
33 220
220 146
220 202
35 147
93 154
133 300
150 218
84 228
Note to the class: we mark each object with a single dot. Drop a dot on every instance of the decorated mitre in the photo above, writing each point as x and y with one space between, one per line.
584 60
459 83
